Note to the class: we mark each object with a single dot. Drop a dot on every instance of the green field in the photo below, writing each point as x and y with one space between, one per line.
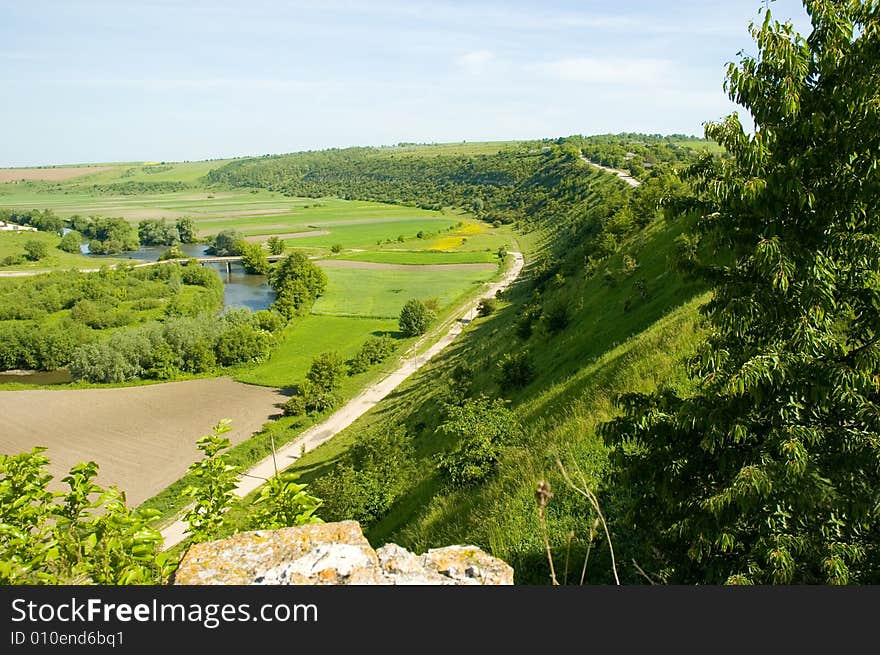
381 293
423 257
303 339
12 244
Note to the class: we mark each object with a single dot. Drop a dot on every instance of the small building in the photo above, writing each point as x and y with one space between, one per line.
15 227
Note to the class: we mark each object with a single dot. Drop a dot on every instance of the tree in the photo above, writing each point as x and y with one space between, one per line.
326 371
276 245
297 282
769 472
415 318
479 427
253 257
224 244
156 232
186 230
71 242
35 250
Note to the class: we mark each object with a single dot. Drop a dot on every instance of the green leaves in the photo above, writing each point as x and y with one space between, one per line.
83 535
769 473
213 492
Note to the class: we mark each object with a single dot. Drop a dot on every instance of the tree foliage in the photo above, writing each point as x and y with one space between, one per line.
297 282
85 534
415 318
479 427
770 472
376 471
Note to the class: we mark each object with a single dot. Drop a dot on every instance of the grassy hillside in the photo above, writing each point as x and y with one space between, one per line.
627 324
616 341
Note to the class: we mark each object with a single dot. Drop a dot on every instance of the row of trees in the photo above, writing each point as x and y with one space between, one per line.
161 351
157 232
82 305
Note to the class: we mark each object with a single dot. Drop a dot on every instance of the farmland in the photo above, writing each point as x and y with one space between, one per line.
376 256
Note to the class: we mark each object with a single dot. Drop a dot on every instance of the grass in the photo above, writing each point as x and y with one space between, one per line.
382 293
423 257
12 243
306 338
617 341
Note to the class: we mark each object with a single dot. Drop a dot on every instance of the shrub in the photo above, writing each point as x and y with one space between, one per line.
242 343
379 469
310 399
269 321
174 252
557 316
326 371
415 318
480 428
336 248
13 260
374 350
35 250
275 245
85 534
487 306
71 242
283 503
515 370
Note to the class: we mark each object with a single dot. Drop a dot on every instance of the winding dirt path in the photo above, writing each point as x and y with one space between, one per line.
254 477
623 175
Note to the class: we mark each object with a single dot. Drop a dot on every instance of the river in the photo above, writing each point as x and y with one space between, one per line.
239 290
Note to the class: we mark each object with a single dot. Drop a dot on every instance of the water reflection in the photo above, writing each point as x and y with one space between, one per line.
239 289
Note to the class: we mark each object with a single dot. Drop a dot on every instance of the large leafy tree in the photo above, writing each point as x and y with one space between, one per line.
770 472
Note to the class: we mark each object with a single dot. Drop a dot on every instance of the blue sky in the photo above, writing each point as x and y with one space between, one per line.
131 80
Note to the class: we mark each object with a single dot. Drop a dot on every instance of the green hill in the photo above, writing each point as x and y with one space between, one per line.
597 313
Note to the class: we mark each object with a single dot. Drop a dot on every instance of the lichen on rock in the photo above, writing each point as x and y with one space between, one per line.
332 553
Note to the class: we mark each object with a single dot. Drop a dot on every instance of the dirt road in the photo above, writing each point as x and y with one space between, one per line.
357 406
623 175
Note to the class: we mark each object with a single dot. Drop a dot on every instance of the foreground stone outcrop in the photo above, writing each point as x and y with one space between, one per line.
332 553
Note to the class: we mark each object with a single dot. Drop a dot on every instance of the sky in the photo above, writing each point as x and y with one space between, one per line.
162 80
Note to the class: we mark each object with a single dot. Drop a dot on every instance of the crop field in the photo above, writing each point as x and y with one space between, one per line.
143 438
423 257
351 223
49 173
302 340
381 292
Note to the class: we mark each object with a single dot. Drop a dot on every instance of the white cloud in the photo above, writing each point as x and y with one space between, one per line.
475 62
611 70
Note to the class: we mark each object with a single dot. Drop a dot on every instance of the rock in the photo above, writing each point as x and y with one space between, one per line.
332 553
